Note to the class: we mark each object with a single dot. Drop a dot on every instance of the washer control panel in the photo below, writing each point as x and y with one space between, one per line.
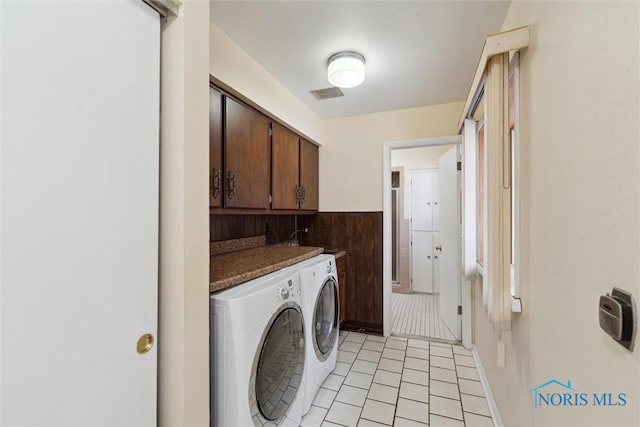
289 289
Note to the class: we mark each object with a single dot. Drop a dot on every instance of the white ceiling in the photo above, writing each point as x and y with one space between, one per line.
417 52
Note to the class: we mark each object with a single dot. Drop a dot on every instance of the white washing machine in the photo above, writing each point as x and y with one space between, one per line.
258 353
319 282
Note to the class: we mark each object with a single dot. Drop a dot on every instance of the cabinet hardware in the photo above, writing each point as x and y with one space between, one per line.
304 195
232 185
216 183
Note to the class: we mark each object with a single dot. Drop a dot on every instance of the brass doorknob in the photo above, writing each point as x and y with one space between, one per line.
439 248
145 343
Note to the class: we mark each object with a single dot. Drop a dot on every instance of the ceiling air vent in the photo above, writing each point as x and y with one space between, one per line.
328 93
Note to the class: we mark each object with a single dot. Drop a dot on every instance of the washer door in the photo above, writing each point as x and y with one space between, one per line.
280 364
325 319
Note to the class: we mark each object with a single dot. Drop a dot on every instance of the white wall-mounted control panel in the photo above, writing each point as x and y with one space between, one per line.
618 316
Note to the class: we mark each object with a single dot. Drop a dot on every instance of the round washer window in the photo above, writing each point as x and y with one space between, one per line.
326 319
281 364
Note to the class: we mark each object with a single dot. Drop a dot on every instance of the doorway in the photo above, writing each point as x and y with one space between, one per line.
426 304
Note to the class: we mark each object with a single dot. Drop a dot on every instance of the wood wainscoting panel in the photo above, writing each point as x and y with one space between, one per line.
360 234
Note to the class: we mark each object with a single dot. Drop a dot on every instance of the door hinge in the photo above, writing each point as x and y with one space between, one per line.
459 309
271 134
459 166
270 198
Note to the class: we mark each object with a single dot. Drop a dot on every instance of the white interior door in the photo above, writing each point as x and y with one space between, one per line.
79 212
422 261
449 238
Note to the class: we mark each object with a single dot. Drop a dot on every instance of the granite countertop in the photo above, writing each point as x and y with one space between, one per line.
233 268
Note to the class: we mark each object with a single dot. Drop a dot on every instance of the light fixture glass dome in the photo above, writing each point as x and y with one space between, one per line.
346 69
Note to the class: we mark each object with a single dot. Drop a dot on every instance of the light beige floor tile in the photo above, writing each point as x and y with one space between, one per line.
444 375
441 344
368 423
416 377
314 417
470 387
398 345
333 382
468 373
364 366
412 410
358 379
414 392
417 364
353 347
343 333
376 338
439 351
373 345
324 398
390 365
438 421
383 393
445 407
391 353
344 414
341 368
369 355
464 360
397 338
458 349
477 405
387 378
419 344
356 337
402 422
329 424
442 362
352 395
473 420
346 356
443 389
418 353
378 411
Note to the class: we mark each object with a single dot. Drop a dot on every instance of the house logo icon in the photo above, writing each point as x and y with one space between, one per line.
541 398
555 393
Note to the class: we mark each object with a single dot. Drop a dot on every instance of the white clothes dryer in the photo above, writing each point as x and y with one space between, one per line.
258 353
319 282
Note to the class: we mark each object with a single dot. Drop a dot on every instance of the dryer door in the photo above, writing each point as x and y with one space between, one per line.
280 363
325 319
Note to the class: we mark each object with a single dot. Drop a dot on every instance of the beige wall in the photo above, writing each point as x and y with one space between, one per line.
183 333
580 204
351 159
232 65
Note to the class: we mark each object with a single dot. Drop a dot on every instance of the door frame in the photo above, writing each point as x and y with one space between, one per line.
465 291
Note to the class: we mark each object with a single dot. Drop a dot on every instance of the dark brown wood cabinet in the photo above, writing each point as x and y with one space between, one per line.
309 166
341 269
285 167
247 154
294 166
215 148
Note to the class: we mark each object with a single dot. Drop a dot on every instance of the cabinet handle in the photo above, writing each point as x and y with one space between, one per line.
216 183
232 185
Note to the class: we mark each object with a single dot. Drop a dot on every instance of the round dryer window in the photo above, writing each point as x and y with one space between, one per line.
325 331
280 364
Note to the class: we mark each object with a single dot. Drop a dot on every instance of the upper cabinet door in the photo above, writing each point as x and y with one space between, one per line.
247 157
216 174
285 167
309 175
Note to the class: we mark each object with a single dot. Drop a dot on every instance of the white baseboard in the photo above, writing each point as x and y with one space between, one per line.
491 401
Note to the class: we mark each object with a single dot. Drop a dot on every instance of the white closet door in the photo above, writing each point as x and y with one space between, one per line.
79 212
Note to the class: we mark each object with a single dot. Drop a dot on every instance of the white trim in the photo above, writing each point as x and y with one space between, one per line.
386 222
488 394
469 199
515 280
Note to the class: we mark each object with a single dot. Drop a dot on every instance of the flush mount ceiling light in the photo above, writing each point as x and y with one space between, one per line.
345 69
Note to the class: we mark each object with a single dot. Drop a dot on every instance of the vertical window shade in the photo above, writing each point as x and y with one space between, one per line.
497 262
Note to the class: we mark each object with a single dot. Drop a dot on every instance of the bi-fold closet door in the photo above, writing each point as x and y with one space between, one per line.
425 221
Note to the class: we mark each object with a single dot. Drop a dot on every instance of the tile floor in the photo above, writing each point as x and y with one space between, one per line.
418 315
400 382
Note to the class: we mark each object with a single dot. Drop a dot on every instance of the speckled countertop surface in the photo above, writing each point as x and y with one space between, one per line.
233 268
